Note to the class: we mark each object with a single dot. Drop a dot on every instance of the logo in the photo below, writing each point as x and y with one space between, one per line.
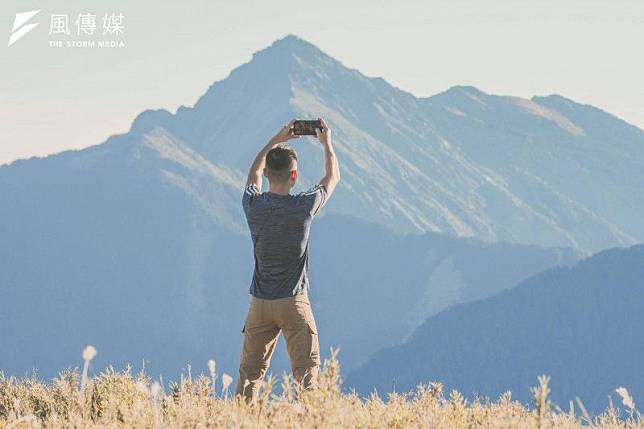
19 29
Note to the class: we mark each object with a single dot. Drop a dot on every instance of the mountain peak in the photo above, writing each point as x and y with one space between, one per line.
470 89
287 47
460 90
457 93
291 41
555 99
270 73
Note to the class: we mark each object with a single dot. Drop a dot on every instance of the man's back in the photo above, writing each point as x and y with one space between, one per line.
279 224
279 227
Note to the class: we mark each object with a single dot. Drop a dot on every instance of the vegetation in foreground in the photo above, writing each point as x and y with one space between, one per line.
122 399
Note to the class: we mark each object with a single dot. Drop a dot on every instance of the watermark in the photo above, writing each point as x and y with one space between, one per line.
82 30
19 28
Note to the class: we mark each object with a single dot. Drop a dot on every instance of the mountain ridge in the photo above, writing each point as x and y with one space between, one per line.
292 39
579 324
462 162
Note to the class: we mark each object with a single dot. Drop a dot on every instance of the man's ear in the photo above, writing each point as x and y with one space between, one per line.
293 175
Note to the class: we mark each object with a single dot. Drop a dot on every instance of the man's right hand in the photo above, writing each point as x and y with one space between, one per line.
325 135
285 133
331 165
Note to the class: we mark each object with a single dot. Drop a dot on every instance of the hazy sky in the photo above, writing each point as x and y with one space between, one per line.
53 99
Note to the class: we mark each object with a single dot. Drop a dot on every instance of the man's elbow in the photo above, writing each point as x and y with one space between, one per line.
335 178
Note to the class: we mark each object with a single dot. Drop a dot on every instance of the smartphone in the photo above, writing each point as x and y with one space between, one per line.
303 127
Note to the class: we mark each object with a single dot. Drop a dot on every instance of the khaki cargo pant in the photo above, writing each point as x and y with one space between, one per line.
266 318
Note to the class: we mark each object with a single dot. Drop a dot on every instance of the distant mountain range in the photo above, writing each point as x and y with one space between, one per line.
139 246
544 171
580 325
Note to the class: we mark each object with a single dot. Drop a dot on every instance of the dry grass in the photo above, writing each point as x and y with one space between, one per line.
121 399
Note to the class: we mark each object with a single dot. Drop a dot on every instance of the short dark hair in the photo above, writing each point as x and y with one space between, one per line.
279 161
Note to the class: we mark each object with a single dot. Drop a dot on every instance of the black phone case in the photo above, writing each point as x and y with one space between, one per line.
306 127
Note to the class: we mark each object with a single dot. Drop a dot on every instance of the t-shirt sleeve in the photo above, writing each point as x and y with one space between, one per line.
250 192
314 198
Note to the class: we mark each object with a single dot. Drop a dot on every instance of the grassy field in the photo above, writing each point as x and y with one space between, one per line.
123 399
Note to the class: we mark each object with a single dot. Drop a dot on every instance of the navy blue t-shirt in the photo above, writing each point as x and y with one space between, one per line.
279 227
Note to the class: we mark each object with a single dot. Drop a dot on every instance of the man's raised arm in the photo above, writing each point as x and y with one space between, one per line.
257 168
331 165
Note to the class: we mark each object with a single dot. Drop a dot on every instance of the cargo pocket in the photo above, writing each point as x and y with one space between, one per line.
314 350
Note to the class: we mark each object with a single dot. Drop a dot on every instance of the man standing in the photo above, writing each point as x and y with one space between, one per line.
279 225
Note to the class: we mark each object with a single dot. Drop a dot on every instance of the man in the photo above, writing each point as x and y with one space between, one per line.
279 225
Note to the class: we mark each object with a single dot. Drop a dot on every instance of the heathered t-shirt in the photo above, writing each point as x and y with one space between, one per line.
279 227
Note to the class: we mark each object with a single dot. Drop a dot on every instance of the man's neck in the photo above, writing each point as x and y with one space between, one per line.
278 190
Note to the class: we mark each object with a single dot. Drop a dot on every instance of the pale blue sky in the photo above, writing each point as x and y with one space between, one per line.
53 99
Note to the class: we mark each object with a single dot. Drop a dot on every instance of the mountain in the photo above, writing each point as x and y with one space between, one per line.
139 246
125 247
581 325
544 171
363 271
